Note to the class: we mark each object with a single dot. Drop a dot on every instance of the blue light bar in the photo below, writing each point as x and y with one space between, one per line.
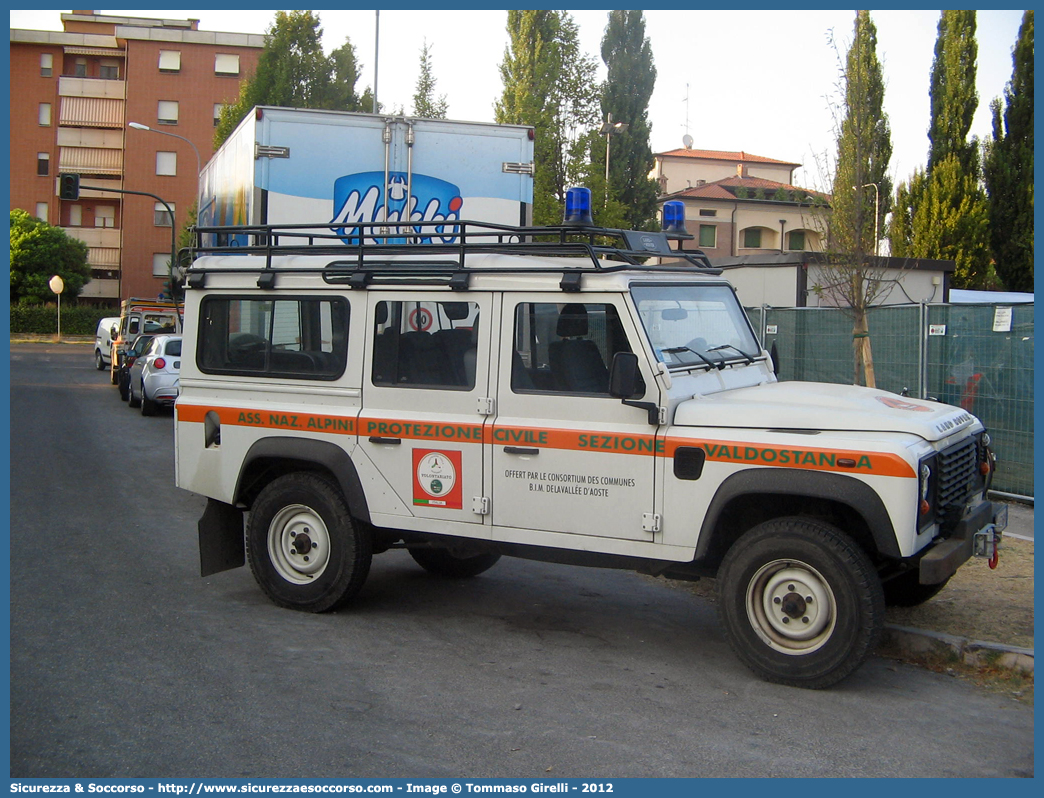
674 216
578 207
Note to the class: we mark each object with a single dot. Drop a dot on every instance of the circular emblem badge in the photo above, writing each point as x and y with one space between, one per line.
436 474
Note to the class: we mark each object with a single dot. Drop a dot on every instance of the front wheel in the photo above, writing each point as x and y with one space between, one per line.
305 551
148 407
801 604
443 562
98 362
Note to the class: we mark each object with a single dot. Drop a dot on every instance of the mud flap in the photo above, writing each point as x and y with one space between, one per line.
221 542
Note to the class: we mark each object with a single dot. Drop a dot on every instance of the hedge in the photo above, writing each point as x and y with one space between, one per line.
43 319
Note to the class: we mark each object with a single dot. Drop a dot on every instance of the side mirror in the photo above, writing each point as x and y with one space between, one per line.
623 376
114 332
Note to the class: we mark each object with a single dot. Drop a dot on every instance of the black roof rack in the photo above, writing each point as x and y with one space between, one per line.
364 250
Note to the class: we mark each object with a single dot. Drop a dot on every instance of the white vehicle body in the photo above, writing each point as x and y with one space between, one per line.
586 412
103 342
154 377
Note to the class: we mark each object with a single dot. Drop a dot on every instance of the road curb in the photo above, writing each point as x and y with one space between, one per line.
971 652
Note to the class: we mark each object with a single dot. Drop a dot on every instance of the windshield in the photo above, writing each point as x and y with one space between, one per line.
692 325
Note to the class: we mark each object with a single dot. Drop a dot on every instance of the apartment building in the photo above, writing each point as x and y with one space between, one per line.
74 97
737 203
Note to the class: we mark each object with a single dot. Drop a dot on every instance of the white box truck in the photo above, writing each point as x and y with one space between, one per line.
290 166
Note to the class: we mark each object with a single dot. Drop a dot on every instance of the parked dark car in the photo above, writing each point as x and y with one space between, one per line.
137 348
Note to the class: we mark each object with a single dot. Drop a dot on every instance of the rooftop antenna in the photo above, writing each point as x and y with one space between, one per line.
687 139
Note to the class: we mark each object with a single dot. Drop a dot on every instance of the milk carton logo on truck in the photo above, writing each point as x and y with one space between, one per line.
358 198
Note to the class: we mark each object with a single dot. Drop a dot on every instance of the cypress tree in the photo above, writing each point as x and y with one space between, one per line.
1008 170
626 92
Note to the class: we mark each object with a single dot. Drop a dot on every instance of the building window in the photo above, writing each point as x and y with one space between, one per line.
166 163
167 112
45 114
170 61
159 264
75 215
752 238
41 211
80 68
43 163
105 216
708 236
109 70
796 240
162 218
217 113
226 64
46 64
708 212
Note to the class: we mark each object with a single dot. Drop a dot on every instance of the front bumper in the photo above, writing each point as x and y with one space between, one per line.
977 533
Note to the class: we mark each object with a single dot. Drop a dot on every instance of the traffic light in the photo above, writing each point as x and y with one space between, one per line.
68 186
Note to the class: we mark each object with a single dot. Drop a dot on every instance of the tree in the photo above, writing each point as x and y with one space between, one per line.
626 93
1008 169
293 72
947 209
424 103
38 252
854 274
550 85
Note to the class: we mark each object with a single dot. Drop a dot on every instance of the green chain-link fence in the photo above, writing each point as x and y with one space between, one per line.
979 357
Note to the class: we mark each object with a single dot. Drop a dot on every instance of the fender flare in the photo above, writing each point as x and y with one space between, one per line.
310 453
839 488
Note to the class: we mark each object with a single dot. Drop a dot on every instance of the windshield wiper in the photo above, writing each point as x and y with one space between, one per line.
748 358
675 349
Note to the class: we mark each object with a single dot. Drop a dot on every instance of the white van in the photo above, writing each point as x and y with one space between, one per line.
103 342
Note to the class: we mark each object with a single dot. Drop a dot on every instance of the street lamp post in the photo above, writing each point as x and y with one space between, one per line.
877 212
199 168
607 129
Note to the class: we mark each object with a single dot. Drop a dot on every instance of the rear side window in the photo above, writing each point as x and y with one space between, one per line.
291 337
173 348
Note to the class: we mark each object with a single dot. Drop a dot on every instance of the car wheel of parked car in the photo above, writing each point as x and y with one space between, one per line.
443 562
305 551
124 388
132 398
801 603
148 407
98 362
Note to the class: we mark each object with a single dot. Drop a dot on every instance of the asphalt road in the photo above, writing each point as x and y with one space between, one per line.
125 663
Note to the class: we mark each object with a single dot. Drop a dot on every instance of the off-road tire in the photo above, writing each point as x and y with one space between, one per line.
906 591
764 586
443 562
332 566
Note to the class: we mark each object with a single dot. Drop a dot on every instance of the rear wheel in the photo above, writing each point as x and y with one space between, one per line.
800 602
148 407
906 590
443 562
305 551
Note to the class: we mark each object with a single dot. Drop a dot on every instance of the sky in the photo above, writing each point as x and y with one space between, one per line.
758 81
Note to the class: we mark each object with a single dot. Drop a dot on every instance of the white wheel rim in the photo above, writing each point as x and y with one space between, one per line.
298 544
791 607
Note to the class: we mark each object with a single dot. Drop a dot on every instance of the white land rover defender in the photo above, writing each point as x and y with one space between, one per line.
472 391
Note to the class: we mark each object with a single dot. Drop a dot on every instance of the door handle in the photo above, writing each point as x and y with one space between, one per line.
391 441
521 450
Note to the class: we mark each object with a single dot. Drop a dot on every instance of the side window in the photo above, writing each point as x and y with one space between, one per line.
565 348
425 344
133 325
293 337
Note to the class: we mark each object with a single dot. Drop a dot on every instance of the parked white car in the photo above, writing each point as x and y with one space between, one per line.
103 342
154 377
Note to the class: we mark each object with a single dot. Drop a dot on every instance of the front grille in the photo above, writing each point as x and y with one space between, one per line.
957 477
